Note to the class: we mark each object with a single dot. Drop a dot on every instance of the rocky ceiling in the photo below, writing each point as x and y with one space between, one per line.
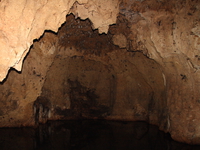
145 68
25 20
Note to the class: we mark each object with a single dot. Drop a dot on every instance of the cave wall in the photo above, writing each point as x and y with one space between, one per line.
170 36
150 58
20 90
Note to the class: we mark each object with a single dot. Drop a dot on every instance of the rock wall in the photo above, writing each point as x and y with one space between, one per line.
168 32
20 90
146 68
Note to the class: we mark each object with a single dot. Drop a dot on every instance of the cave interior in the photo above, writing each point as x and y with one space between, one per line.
135 72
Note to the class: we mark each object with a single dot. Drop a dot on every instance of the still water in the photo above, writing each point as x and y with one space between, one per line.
89 135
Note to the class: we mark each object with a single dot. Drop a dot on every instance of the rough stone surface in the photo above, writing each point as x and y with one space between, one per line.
120 40
20 90
80 73
23 21
168 35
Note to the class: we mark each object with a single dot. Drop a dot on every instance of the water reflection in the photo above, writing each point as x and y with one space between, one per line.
89 135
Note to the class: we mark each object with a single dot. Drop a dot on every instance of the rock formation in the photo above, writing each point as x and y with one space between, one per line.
23 21
145 68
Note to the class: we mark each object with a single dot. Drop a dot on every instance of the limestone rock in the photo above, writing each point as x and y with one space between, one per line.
23 21
101 12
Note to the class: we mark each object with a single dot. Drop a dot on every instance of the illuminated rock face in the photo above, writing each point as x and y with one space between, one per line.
146 68
23 21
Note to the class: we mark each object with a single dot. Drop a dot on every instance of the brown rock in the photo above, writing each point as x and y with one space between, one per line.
79 73
119 40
